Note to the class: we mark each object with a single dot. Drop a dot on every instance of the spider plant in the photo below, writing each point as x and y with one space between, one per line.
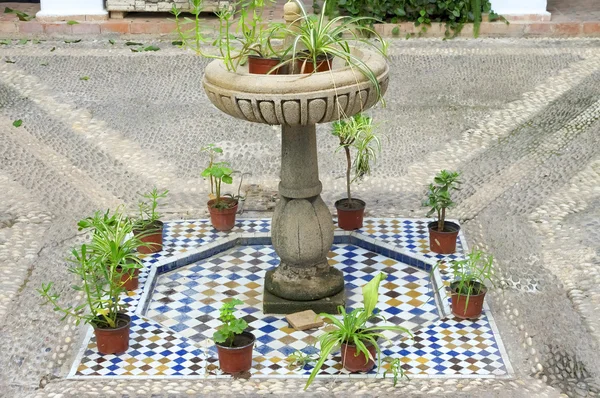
318 37
353 328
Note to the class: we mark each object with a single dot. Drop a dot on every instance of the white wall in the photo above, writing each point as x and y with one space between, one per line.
71 7
516 7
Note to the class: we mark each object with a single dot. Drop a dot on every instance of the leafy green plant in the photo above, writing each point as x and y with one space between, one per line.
356 133
147 209
231 325
453 13
471 273
212 150
438 196
396 370
299 359
353 328
220 172
18 123
318 38
100 266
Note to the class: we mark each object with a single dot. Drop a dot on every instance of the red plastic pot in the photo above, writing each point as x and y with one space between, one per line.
471 309
238 357
223 219
114 341
350 217
304 65
443 242
262 66
357 363
152 234
129 280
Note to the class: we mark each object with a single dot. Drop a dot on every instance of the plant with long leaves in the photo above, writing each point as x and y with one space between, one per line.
190 37
148 209
319 37
100 265
231 326
221 173
438 195
397 371
354 329
471 273
357 133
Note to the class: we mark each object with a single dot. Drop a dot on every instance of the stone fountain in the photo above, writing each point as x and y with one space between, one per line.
302 226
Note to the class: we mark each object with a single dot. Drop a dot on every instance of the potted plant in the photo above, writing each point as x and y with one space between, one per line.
357 339
148 226
112 235
355 133
317 40
442 233
243 37
100 266
468 288
223 208
234 343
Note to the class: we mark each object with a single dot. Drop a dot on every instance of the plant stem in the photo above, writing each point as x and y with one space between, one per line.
348 168
441 220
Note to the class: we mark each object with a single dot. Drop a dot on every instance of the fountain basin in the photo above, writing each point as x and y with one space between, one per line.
296 100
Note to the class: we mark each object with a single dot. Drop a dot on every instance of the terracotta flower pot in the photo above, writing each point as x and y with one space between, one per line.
350 217
129 279
223 219
152 234
304 65
358 363
114 341
443 242
262 66
238 357
471 309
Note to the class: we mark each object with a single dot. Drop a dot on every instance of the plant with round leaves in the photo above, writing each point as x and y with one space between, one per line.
354 328
438 195
221 173
231 326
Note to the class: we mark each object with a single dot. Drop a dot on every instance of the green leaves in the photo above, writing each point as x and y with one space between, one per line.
17 123
438 196
149 48
72 23
371 294
111 41
72 41
231 325
133 43
21 15
86 78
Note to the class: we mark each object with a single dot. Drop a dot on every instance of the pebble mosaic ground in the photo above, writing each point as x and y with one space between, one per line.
519 118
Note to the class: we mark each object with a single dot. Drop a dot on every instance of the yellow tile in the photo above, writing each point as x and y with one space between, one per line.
422 360
148 360
252 285
450 346
390 286
415 303
129 368
231 284
393 302
389 262
162 368
287 330
411 285
413 294
154 338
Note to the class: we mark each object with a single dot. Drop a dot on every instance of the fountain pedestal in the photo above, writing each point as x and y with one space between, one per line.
302 227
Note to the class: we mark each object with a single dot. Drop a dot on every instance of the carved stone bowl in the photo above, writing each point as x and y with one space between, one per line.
296 100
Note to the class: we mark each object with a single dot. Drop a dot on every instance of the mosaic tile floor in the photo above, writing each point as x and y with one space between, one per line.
181 289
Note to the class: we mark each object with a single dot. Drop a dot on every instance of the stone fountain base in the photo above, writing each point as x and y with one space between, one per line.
277 305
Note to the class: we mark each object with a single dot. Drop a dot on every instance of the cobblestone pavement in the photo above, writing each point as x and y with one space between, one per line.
519 118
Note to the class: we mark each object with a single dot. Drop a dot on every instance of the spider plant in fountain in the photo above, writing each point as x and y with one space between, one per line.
316 40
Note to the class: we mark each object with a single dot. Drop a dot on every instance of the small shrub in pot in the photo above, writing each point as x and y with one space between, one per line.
101 266
356 135
234 343
222 208
468 288
442 233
